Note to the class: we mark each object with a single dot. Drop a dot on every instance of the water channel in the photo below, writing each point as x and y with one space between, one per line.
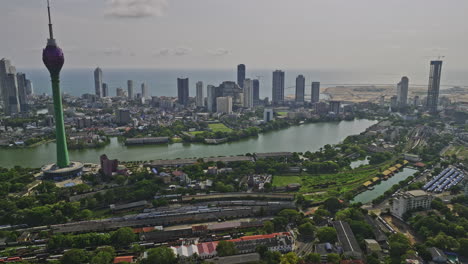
383 186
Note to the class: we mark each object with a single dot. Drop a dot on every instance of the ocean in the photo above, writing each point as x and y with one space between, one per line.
164 82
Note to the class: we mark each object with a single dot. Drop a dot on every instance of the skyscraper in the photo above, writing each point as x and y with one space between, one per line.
200 99
9 88
22 95
105 90
29 87
53 58
434 86
98 81
144 90
278 87
315 98
402 92
183 91
300 89
248 93
211 98
240 75
256 92
130 89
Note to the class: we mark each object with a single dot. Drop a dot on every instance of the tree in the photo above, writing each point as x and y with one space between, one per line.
371 259
160 255
332 204
333 258
307 230
226 248
327 234
463 248
289 258
268 227
123 237
102 257
399 245
75 256
313 258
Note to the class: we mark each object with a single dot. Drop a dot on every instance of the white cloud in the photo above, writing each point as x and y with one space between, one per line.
136 8
163 53
112 52
180 51
218 52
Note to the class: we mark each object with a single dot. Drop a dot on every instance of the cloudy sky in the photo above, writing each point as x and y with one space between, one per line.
391 35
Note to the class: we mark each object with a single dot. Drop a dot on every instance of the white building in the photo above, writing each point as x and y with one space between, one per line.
224 105
199 99
248 93
268 115
410 200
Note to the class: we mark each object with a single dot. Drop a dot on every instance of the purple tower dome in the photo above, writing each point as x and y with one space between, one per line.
53 58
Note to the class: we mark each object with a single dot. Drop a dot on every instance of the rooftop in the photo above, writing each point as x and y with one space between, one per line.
417 193
128 259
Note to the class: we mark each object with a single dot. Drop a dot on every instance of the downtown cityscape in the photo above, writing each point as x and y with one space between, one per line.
276 166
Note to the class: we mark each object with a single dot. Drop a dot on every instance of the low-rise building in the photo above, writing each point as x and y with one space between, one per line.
347 240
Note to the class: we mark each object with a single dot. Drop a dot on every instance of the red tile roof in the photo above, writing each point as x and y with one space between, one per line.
257 237
128 259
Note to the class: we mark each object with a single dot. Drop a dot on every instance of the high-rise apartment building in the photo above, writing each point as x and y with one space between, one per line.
183 91
145 90
130 89
278 87
240 75
402 92
119 92
434 86
248 93
98 81
29 87
315 93
224 105
200 99
211 95
22 91
300 89
335 107
105 90
9 88
256 92
123 117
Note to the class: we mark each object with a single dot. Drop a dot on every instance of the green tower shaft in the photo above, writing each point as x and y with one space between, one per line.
61 139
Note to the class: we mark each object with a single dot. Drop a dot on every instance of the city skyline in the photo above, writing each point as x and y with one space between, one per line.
141 50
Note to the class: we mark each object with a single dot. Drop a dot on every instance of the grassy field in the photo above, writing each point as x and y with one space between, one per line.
219 127
460 151
319 187
282 113
280 181
196 132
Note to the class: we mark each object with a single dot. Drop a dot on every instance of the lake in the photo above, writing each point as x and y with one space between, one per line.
301 138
